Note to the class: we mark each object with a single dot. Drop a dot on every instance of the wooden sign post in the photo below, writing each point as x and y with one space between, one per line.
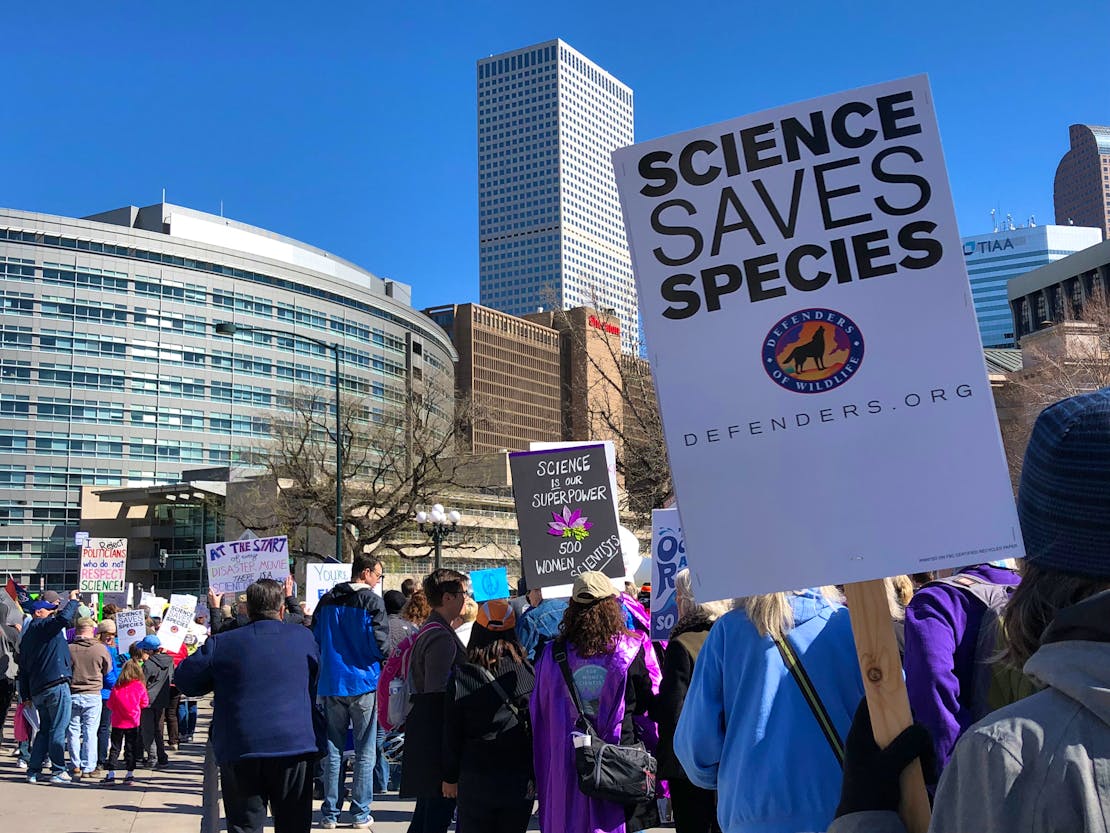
887 701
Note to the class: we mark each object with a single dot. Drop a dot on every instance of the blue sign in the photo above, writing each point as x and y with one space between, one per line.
490 584
668 556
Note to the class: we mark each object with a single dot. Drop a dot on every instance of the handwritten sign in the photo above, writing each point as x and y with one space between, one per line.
321 578
490 584
186 600
668 556
175 624
130 628
234 565
103 565
565 514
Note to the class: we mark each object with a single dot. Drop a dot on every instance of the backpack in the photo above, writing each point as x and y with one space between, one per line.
994 683
395 683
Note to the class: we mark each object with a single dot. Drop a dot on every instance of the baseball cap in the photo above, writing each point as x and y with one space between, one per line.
84 612
107 626
496 615
592 586
42 604
150 643
85 622
51 596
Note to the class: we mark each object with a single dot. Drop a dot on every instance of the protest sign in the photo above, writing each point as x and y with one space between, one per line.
320 578
565 514
668 556
234 565
815 246
175 624
490 584
185 600
103 565
154 603
130 628
610 460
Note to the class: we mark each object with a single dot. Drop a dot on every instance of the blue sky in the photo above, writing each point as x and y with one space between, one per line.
351 125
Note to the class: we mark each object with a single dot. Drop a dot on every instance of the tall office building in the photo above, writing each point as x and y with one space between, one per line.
550 232
994 259
1081 192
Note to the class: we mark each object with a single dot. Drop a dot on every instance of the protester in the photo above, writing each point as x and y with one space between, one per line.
694 809
611 668
748 731
464 622
350 627
266 729
1038 765
126 703
436 653
45 670
408 587
488 736
540 623
399 626
92 666
106 633
11 627
416 609
158 674
944 674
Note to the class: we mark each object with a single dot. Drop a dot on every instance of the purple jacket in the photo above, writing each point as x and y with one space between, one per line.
942 628
562 804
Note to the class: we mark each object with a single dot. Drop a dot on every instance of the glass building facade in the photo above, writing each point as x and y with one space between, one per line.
111 373
549 220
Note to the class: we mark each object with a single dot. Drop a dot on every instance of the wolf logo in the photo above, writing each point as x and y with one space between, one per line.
813 349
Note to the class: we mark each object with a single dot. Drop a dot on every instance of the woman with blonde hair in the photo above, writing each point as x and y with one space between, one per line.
773 692
694 809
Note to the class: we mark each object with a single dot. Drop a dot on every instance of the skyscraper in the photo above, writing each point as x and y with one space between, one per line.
1081 192
550 231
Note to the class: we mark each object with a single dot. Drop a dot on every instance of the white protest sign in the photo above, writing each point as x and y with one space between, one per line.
186 600
668 556
234 565
320 578
103 565
809 325
156 604
130 628
175 624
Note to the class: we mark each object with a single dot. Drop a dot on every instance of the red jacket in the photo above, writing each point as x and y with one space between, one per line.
126 703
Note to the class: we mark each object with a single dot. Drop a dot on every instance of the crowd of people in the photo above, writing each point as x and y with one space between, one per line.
751 716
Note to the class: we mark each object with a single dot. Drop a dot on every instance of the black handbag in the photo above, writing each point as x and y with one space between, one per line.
607 771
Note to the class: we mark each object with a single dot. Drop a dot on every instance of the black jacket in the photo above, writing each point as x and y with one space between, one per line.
487 748
293 616
158 674
678 668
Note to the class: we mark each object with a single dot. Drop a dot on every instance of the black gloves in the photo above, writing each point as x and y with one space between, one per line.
871 774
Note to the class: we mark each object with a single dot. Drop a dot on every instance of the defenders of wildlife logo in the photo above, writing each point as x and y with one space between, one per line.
813 351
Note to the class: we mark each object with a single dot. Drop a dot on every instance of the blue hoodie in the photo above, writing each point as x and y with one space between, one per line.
352 630
747 731
44 653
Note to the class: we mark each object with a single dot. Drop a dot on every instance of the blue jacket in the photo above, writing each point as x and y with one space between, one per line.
113 675
44 653
352 630
540 624
747 731
264 678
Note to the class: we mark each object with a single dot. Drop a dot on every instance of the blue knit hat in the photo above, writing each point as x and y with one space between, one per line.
1064 497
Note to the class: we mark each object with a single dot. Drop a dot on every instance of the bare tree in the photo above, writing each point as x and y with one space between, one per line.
1067 359
395 460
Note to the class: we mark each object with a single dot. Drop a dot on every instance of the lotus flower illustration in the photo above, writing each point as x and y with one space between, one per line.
570 524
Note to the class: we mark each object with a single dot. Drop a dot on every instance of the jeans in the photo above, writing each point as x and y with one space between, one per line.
381 765
187 717
53 707
359 712
285 784
84 723
103 733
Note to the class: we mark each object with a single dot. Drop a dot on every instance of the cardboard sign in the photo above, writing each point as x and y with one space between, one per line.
810 328
565 514
234 565
490 584
130 628
103 565
668 556
320 578
185 600
175 624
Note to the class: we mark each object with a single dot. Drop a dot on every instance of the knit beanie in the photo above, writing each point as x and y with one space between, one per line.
394 601
1064 496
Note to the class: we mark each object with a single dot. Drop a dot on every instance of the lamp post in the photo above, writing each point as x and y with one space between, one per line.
438 524
226 328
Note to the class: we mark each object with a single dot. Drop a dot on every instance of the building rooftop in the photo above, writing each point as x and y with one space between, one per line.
1002 359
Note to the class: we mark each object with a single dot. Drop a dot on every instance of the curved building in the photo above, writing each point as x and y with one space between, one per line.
1081 191
111 373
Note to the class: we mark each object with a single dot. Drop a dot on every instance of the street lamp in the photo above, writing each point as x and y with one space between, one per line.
438 524
227 328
